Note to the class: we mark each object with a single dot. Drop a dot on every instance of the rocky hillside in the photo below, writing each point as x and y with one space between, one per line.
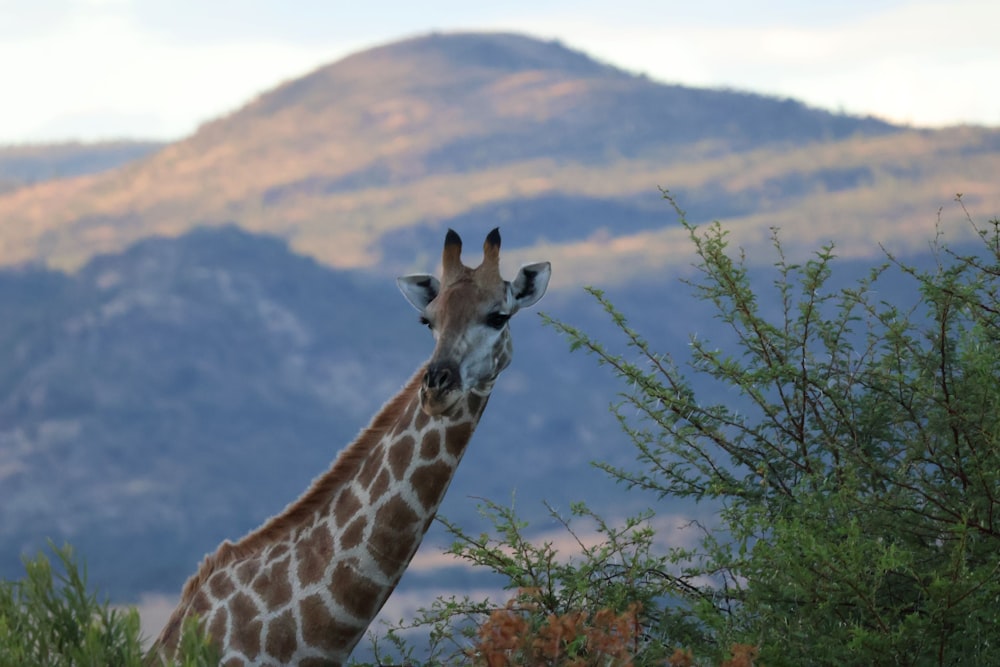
350 160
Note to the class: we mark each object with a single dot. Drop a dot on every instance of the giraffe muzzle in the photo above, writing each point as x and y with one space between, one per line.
441 389
442 376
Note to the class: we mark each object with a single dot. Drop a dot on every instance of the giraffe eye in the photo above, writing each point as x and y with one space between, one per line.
497 320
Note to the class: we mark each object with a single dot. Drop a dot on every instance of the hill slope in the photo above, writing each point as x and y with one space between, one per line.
440 128
25 165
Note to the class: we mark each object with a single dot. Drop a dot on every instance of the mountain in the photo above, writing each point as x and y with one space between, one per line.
413 136
26 165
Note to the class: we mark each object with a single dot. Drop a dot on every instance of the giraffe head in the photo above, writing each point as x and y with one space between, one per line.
468 310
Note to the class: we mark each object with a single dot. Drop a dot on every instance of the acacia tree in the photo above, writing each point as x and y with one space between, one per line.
854 455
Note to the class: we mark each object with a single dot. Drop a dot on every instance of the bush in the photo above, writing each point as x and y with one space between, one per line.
50 619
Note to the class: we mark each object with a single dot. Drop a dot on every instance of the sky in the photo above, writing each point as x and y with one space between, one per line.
157 69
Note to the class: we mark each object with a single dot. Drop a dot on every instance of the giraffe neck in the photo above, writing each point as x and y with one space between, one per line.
321 570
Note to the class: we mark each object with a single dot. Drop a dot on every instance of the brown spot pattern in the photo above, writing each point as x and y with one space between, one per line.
217 628
246 571
400 455
405 419
246 627
431 445
345 507
457 437
353 534
430 482
317 662
220 585
380 486
313 554
272 584
371 466
421 420
281 641
356 593
200 603
476 404
393 535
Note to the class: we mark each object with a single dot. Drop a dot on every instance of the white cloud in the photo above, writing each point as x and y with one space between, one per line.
928 64
104 65
93 68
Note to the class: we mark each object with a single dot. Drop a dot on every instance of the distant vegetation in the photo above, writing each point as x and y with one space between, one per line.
34 163
853 446
51 618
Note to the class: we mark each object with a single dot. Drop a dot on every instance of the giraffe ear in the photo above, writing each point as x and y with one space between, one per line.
530 283
419 289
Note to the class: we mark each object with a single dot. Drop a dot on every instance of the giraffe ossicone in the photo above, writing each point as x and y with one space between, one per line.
303 588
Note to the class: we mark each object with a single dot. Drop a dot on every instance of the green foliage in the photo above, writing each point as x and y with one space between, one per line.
50 619
614 577
851 447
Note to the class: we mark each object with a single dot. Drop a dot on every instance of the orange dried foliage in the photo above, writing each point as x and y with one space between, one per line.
574 639
681 658
744 655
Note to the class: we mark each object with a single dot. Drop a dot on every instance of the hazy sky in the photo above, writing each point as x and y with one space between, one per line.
92 69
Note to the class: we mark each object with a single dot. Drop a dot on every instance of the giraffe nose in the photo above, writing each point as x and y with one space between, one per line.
441 375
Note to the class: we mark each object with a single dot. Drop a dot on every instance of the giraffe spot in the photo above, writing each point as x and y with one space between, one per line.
246 626
246 571
431 445
278 551
457 437
281 638
421 419
393 535
476 404
354 533
217 626
380 486
317 662
200 603
356 593
171 634
345 507
320 629
400 455
405 419
273 586
430 482
371 466
220 585
313 553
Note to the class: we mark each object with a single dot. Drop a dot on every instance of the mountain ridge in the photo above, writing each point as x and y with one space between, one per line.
410 132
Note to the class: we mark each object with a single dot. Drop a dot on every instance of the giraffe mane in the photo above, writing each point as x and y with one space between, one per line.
319 493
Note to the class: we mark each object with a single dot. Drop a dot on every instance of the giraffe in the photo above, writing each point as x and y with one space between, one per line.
303 588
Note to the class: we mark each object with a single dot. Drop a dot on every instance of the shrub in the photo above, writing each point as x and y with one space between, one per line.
50 619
